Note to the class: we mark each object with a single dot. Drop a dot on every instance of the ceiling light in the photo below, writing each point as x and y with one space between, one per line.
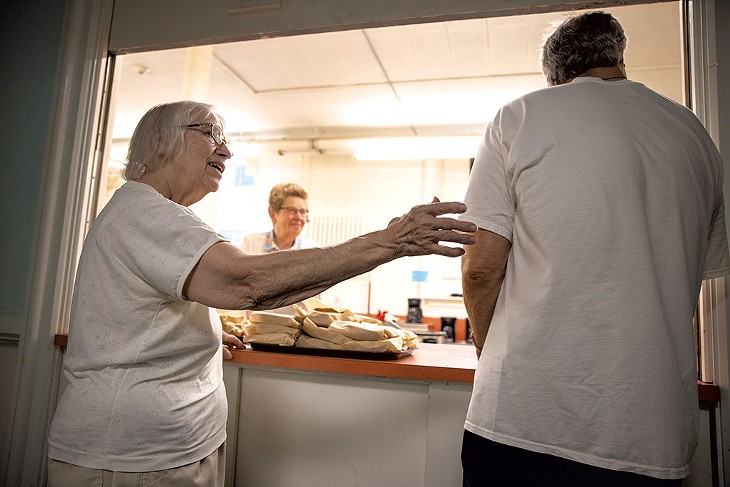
142 69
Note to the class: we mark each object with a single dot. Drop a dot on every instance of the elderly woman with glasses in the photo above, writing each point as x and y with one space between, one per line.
289 213
145 401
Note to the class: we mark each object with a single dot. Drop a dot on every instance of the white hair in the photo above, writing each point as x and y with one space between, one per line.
158 136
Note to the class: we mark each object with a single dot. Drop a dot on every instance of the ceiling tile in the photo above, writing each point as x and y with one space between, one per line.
321 60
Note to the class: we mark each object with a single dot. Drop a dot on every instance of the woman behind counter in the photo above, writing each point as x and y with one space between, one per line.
289 213
145 402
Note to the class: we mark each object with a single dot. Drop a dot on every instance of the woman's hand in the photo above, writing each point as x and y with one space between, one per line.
230 341
419 231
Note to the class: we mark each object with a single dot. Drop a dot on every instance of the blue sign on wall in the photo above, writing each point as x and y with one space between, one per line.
419 276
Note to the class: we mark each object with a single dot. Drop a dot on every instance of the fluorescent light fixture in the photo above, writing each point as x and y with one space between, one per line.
416 148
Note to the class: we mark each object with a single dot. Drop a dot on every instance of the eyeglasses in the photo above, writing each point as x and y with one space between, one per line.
295 211
215 132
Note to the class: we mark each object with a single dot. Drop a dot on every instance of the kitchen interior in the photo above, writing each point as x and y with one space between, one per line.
370 122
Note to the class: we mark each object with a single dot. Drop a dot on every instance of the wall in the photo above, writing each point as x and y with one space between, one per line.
8 360
139 26
29 31
30 36
380 191
339 187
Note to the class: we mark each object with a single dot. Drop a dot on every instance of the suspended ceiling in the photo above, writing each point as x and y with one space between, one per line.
426 79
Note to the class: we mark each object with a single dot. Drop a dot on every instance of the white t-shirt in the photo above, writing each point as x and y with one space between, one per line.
264 243
612 198
144 365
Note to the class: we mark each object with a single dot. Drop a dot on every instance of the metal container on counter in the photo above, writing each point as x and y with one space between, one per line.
431 336
448 326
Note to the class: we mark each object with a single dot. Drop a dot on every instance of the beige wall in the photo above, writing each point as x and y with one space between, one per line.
363 196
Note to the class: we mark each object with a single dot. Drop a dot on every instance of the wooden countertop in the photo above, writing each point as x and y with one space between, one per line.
430 362
442 363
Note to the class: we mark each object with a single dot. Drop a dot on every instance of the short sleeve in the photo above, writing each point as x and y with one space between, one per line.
160 244
717 262
488 195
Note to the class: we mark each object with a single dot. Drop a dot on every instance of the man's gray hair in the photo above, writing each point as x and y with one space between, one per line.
582 42
158 136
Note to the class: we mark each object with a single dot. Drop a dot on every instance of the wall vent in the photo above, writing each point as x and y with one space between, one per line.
331 230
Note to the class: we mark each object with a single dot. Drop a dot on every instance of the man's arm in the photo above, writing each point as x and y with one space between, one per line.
482 272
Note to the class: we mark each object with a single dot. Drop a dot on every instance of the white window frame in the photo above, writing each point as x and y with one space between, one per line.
712 306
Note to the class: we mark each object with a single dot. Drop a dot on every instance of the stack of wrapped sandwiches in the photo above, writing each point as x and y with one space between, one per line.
319 326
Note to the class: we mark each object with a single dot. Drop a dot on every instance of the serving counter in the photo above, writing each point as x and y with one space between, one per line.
317 420
430 362
444 363
311 420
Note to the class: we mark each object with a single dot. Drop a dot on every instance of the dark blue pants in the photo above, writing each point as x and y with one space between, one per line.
487 463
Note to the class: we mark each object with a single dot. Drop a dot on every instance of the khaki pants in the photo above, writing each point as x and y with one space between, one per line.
208 472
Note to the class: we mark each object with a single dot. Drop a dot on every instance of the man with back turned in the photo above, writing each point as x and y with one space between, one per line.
600 210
